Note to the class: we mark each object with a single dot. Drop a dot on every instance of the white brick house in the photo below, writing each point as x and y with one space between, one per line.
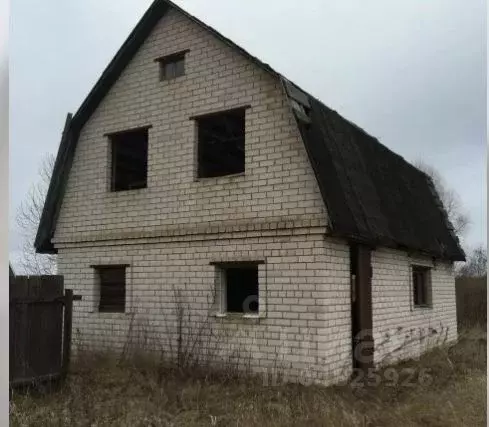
282 228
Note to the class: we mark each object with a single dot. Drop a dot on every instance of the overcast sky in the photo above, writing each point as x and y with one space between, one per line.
410 72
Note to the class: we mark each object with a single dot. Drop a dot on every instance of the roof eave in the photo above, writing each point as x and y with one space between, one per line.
45 230
74 123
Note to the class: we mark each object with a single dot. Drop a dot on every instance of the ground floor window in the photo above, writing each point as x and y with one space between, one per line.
112 288
421 277
238 287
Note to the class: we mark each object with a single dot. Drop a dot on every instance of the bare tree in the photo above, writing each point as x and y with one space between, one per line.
28 218
452 202
476 265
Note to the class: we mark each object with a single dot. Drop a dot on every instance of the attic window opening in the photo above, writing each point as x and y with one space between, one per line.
172 66
221 143
129 160
421 277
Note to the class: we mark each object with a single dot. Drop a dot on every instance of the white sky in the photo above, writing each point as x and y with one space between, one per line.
410 72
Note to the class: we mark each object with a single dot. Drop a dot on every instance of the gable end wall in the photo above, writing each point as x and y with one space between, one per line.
278 185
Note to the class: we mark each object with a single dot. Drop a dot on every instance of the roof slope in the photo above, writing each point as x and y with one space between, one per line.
372 194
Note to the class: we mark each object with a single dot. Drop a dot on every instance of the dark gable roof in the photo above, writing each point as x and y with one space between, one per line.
372 194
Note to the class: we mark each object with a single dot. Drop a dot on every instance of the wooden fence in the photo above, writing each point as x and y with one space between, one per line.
40 328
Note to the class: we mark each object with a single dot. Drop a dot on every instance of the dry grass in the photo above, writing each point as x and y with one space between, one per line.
100 392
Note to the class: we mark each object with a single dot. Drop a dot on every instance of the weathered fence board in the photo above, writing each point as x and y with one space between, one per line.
40 328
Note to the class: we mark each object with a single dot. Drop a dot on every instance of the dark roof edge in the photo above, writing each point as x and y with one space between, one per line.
120 60
74 124
42 242
446 219
131 45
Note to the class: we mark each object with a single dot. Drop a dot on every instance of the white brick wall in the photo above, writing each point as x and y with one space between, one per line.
304 298
400 329
169 232
303 290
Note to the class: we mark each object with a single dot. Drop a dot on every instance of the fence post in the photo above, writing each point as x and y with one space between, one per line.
68 316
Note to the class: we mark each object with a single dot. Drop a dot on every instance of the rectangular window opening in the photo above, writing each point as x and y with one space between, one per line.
221 143
421 286
112 283
239 288
172 66
129 160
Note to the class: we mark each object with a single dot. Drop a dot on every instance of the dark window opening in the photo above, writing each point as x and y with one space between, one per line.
129 160
172 66
221 143
112 282
242 289
421 286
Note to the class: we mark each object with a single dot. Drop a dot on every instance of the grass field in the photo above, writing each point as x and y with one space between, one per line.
448 388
